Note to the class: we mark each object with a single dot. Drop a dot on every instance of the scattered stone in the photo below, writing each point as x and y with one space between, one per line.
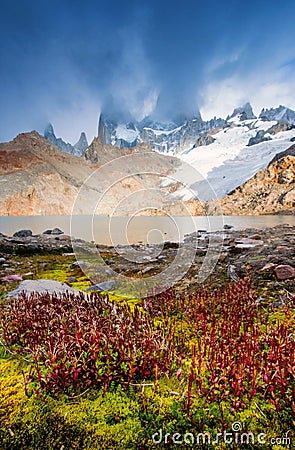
147 269
47 232
105 286
23 233
231 271
284 272
227 227
254 237
283 247
28 274
72 280
81 265
12 278
2 260
57 231
41 287
267 267
247 243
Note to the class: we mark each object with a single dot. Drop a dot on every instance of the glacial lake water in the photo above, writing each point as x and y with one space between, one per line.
124 230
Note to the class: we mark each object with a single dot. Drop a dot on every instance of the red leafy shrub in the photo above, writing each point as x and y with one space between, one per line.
77 342
221 343
238 349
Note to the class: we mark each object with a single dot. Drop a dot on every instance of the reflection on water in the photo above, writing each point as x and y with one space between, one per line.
123 230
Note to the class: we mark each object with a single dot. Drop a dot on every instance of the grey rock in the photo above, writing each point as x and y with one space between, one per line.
81 264
147 269
204 139
2 260
231 271
23 233
41 286
28 274
260 137
105 286
72 280
47 232
57 231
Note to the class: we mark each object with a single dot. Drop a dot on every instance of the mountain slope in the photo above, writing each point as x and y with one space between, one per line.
37 179
271 190
232 157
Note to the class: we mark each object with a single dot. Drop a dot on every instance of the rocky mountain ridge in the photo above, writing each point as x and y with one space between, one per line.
37 179
77 149
271 190
175 137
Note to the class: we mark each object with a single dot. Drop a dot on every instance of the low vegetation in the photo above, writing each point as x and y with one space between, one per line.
86 372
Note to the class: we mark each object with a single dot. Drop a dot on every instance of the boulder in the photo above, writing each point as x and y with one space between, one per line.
47 232
247 243
41 287
23 233
12 278
284 272
57 231
72 280
267 267
105 286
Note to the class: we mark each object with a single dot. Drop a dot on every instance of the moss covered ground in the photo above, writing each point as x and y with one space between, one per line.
124 418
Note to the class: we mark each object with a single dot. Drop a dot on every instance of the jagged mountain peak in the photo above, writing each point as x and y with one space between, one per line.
49 130
165 136
245 112
77 149
280 114
82 143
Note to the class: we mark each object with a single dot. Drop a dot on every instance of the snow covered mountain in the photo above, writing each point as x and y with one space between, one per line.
224 152
236 153
77 149
281 114
164 137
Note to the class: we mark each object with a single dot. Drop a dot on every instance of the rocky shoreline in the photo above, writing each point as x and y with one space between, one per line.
266 256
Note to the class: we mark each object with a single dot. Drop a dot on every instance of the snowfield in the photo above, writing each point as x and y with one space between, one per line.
228 162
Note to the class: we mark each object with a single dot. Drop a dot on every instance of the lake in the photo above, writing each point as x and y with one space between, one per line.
124 230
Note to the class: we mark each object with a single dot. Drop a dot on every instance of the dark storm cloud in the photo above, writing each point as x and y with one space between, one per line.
62 61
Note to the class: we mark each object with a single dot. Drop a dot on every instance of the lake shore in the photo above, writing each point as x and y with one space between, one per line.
266 256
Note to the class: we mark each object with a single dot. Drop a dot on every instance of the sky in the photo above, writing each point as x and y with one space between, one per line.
64 61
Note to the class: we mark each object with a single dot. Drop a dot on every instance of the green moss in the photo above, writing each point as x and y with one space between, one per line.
121 420
94 422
